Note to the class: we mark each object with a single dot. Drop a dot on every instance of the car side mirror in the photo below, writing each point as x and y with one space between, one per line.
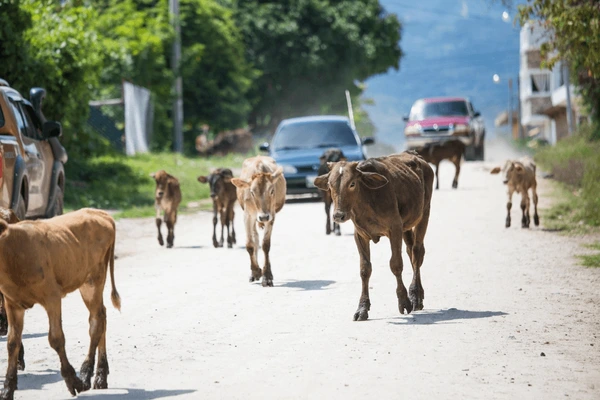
264 146
367 141
405 118
51 129
477 114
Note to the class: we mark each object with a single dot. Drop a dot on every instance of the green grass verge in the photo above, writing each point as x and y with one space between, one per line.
121 183
591 260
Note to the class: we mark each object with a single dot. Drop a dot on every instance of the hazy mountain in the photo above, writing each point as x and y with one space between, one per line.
452 48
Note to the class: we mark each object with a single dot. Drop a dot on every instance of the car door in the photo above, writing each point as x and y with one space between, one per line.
34 159
477 122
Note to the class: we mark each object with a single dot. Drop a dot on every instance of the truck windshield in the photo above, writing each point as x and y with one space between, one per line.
439 109
309 135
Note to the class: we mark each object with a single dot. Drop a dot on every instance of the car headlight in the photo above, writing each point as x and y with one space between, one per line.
289 169
461 128
413 130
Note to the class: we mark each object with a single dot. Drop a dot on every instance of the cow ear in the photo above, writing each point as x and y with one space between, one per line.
322 182
152 175
240 183
518 168
202 179
278 171
3 227
373 180
495 171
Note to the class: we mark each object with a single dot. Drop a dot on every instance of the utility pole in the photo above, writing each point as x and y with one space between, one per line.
519 108
565 71
350 111
177 85
510 113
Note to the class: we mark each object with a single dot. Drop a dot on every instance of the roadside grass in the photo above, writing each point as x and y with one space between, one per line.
575 163
591 260
123 184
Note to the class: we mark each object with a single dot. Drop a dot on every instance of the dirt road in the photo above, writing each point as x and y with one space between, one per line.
508 312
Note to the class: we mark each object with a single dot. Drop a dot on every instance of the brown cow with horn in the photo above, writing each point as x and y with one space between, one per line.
385 196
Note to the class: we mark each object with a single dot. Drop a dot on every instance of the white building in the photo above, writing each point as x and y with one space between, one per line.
542 91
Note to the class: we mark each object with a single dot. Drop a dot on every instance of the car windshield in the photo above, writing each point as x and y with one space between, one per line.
308 135
1 118
438 109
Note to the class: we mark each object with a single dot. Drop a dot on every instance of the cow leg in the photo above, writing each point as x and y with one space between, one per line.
170 219
364 251
215 220
3 317
15 316
536 218
223 213
416 291
456 161
525 209
267 279
327 201
231 217
92 297
56 337
509 206
396 266
336 229
437 177
158 224
252 246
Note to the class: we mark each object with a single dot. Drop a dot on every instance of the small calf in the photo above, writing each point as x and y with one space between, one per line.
223 194
434 153
167 198
40 263
330 155
519 176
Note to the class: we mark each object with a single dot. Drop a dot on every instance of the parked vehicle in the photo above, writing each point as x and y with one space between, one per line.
446 118
32 176
299 142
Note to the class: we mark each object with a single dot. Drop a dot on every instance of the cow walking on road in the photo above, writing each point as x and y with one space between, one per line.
40 263
261 191
331 155
385 196
519 176
223 195
434 153
167 197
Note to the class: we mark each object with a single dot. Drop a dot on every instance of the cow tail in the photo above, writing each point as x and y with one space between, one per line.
114 294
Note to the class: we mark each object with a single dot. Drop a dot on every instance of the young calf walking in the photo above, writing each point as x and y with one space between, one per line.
434 153
385 196
223 195
261 191
519 176
167 197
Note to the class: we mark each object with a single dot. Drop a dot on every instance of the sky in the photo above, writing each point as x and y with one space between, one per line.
451 48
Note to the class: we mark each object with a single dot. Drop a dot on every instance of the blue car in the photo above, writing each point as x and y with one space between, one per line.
299 142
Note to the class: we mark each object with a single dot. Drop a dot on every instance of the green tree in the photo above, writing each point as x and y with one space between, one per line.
14 22
310 51
574 35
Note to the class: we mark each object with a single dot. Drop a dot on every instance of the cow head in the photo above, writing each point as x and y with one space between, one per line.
512 170
218 181
345 180
162 183
260 190
332 155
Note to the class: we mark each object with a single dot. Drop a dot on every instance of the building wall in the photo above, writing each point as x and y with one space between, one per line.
534 59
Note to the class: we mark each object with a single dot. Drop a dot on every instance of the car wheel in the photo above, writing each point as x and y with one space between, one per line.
57 208
470 153
479 152
21 208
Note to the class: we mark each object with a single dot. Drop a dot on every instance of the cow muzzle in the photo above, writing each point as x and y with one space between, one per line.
160 194
213 195
340 216
505 181
264 217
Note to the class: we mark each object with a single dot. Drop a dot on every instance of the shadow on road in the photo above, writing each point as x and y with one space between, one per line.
440 316
308 285
29 381
189 247
135 394
28 336
291 199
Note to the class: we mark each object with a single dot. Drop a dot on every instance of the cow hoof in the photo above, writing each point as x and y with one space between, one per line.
416 298
216 245
229 245
338 233
454 185
405 305
169 245
361 314
161 241
327 232
267 282
76 385
507 224
100 382
7 394
536 220
255 277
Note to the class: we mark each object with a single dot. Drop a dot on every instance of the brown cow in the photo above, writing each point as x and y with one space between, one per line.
236 141
434 153
386 196
519 176
167 197
40 263
261 191
223 194
330 155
